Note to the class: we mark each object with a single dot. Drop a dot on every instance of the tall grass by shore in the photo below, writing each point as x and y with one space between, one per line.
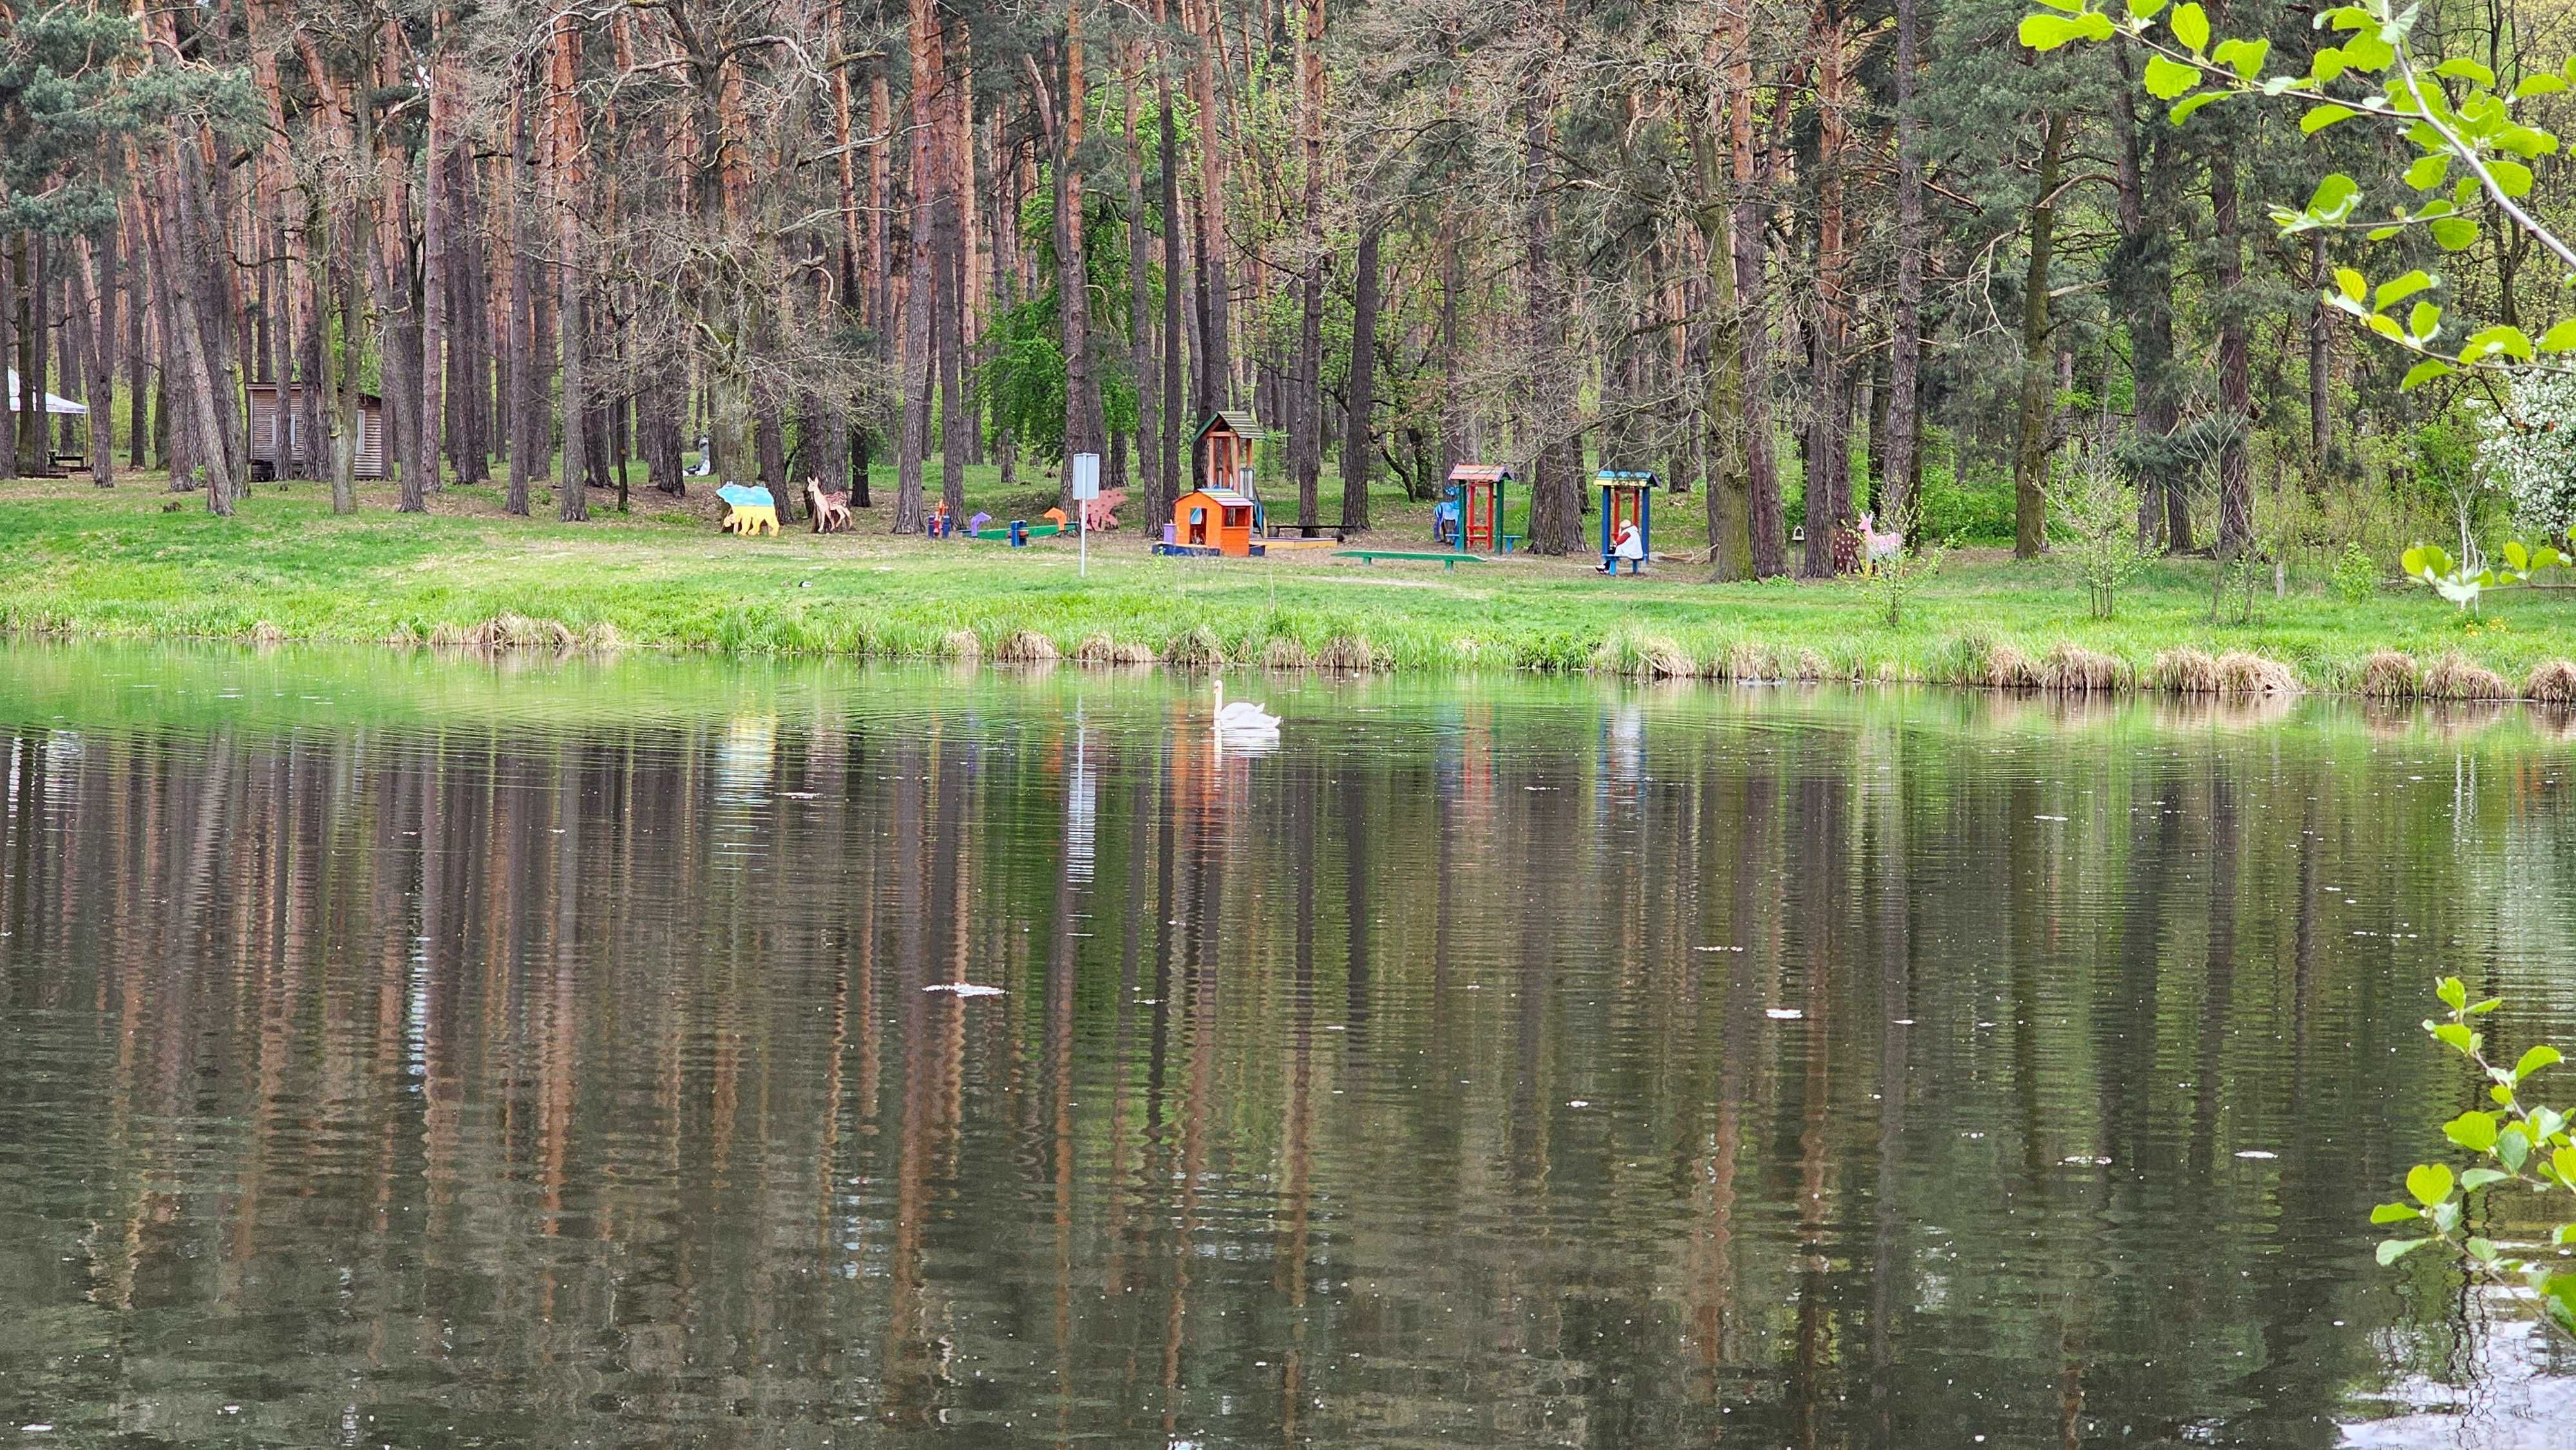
79 562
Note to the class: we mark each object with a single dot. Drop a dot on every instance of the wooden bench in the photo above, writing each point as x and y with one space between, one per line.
1304 531
1371 556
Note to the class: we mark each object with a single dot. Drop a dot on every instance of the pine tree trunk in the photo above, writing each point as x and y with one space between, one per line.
1556 494
915 361
572 476
340 377
529 440
2235 474
12 328
2141 292
1763 509
410 441
90 345
138 431
189 371
434 268
2030 452
1357 454
1140 296
1081 387
956 418
1455 445
1905 327
1175 361
35 445
1829 510
881 319
108 247
1722 408
1306 407
1216 355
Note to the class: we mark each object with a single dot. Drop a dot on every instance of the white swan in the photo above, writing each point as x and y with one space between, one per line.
1242 717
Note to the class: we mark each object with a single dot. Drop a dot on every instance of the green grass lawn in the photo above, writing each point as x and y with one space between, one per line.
80 561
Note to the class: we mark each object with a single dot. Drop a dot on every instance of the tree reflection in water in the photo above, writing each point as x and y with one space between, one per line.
573 1079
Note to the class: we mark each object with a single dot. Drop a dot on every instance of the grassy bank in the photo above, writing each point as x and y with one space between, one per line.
82 562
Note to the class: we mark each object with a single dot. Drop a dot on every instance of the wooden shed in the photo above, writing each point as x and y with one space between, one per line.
1224 445
1218 519
273 423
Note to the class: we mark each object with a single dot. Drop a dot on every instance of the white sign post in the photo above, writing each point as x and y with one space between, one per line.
1086 487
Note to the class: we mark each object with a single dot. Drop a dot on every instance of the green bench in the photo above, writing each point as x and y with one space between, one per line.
1371 556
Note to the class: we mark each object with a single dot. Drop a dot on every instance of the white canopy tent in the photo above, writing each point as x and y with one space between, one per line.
59 407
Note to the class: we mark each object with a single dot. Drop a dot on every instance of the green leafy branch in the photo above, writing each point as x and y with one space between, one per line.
2516 1144
2466 127
2461 580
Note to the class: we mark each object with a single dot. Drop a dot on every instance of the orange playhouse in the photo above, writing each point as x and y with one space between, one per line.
1211 521
1223 514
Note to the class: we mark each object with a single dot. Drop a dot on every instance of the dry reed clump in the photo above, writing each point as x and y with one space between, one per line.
1748 664
2072 669
2455 677
515 631
602 638
961 644
2244 673
1195 647
1100 649
1812 667
404 637
1890 672
1646 657
265 633
2007 668
1026 647
1286 652
1347 652
2390 675
2184 671
2552 682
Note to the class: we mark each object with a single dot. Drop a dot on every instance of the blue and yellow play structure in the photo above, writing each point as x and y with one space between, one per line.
1627 497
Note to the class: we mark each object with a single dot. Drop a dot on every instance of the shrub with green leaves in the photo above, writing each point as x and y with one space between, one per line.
2356 575
2093 512
1894 581
2518 1144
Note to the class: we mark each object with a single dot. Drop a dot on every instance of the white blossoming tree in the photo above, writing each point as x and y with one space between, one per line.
2527 450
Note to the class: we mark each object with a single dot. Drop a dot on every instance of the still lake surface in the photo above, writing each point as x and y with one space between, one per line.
397 1051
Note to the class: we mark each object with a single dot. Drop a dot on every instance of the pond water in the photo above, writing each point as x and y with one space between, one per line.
410 1052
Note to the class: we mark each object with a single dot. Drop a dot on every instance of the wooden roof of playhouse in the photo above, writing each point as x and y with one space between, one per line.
1241 425
1481 473
1221 497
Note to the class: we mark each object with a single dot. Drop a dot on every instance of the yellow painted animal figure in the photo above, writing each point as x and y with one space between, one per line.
752 510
